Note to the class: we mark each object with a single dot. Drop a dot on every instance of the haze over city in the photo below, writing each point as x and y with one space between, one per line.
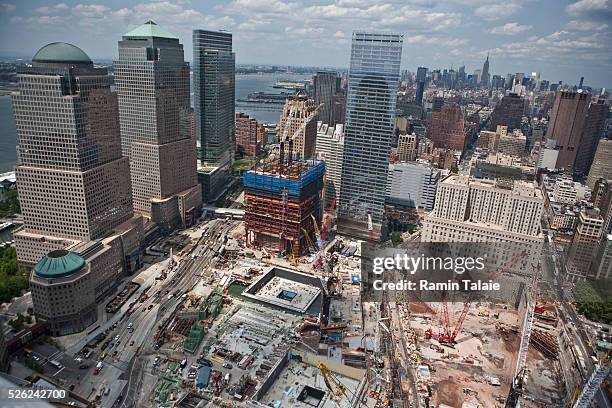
562 39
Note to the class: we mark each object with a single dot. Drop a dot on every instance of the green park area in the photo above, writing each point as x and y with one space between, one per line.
594 300
13 278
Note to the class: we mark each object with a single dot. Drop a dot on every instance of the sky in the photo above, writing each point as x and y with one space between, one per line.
561 39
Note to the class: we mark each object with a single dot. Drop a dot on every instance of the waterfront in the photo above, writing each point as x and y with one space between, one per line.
250 83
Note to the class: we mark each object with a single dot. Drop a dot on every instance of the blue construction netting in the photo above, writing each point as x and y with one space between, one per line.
275 183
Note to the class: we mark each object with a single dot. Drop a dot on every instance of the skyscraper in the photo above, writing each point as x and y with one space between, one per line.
602 163
484 79
370 113
585 243
297 123
567 123
214 104
152 81
325 88
420 85
591 133
447 128
330 149
75 197
508 112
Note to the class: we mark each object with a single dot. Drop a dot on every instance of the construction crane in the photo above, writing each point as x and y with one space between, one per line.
518 383
599 374
448 336
336 389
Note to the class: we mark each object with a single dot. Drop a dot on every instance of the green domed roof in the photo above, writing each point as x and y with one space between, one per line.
58 264
61 52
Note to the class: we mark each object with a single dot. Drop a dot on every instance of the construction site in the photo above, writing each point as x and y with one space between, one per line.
283 205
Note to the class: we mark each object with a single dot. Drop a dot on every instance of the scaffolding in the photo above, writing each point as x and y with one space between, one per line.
283 205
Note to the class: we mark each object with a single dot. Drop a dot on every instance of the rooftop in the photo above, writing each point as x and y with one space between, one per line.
58 264
61 52
150 30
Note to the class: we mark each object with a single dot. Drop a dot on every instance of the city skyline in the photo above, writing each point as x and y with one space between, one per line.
563 41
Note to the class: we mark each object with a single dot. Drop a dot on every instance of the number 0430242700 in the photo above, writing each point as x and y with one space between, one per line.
36 394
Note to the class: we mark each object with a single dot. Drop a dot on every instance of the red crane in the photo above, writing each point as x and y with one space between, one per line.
446 336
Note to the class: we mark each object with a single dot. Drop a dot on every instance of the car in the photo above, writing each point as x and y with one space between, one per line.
35 357
151 307
117 337
117 343
205 362
115 353
227 365
84 366
132 343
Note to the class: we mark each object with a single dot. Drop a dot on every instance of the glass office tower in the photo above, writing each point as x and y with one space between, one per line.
370 112
214 94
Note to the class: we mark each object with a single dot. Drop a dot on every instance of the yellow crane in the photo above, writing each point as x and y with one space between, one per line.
336 389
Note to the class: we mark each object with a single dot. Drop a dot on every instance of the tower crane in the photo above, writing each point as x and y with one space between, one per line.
599 374
336 389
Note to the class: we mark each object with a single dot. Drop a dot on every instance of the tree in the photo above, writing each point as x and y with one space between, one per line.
396 238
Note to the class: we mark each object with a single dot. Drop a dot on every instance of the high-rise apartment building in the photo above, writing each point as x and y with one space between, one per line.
585 243
249 135
214 102
566 125
593 129
79 229
407 147
602 163
508 112
370 113
330 149
325 89
152 82
446 129
298 123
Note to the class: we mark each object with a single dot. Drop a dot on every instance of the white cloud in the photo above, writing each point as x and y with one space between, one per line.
61 6
585 25
7 7
90 10
263 6
510 29
583 7
339 34
497 11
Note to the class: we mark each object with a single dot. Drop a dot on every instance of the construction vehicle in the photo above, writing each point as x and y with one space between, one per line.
336 389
